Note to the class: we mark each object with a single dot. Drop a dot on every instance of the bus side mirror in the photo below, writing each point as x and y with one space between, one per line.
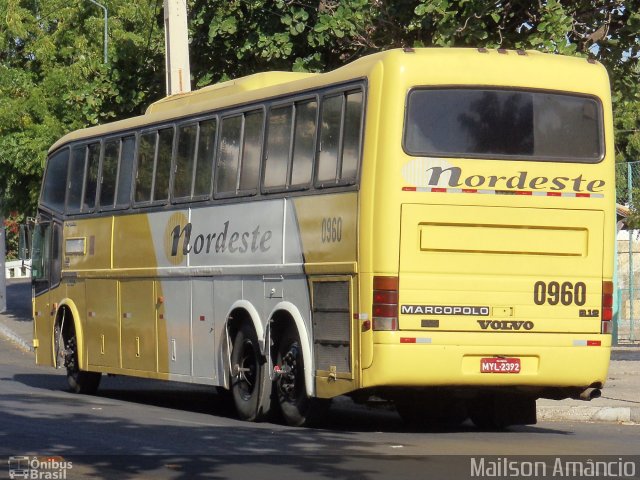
24 247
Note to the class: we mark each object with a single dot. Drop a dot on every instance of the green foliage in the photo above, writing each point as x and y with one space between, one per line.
633 220
236 38
240 37
52 79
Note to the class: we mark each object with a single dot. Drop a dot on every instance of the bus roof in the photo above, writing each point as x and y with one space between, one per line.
272 84
223 89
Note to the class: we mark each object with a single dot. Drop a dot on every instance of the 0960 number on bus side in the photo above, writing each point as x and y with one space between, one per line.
331 229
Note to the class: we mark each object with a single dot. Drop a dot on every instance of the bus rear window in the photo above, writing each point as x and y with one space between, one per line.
486 123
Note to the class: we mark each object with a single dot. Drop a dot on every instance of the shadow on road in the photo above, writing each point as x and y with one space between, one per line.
184 431
343 416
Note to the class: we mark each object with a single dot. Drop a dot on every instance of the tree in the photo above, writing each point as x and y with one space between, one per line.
244 35
12 234
53 80
238 37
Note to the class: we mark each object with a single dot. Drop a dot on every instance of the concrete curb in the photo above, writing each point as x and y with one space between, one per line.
590 414
15 338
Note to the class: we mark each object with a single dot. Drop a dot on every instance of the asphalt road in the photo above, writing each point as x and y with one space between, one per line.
139 428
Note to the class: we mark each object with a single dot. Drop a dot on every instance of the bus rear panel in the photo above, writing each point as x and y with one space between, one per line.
492 230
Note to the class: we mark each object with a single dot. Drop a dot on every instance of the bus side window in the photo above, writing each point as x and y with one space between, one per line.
304 143
330 127
228 154
278 147
108 172
352 134
125 172
55 182
205 157
144 174
163 165
77 165
91 184
251 151
185 158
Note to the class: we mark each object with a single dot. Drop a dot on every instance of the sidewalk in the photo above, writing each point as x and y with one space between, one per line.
16 323
620 401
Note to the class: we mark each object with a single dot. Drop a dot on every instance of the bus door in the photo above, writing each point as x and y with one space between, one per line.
46 272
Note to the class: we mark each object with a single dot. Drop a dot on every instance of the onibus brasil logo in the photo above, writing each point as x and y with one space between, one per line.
40 468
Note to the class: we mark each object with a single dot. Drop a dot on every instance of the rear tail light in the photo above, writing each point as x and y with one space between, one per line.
607 307
385 303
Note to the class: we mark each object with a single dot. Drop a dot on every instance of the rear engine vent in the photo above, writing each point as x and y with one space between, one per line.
331 326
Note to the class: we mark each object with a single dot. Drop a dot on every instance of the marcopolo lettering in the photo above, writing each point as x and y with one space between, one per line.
453 177
505 325
444 310
225 241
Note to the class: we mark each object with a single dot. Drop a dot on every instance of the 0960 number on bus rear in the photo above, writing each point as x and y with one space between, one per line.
565 293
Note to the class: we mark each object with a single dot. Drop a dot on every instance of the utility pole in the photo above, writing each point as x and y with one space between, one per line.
3 270
106 30
632 289
176 42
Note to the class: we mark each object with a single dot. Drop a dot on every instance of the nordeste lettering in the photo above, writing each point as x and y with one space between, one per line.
219 242
453 177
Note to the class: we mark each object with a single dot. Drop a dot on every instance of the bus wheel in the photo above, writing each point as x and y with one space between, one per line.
297 408
250 385
78 380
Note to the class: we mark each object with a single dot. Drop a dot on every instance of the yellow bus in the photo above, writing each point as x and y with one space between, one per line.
433 227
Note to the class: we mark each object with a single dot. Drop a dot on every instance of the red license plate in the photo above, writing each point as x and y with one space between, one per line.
499 365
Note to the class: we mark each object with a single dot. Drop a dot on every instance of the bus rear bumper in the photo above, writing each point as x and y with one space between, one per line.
441 359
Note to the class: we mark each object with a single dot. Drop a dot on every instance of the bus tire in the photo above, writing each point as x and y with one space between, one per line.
250 384
297 408
79 381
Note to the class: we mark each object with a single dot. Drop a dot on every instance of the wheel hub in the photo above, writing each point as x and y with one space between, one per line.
245 371
287 372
